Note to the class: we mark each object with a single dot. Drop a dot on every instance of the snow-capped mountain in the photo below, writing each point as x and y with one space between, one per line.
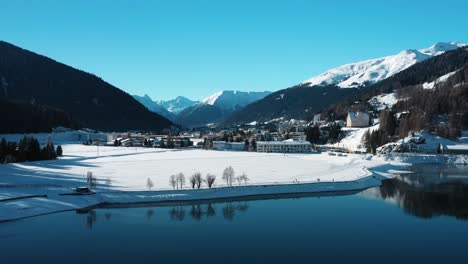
232 100
371 71
153 106
217 106
302 102
177 105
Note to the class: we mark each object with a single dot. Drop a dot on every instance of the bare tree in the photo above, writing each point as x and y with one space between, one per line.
198 179
228 175
193 181
181 179
243 178
173 181
108 183
239 180
210 179
149 184
91 180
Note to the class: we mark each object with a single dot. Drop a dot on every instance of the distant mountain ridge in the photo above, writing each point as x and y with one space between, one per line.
355 75
177 105
194 113
154 106
217 106
86 98
232 100
313 95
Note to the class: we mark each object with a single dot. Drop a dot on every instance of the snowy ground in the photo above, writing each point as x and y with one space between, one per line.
383 101
123 172
353 140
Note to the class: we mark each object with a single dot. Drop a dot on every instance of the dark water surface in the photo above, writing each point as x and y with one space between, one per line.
417 218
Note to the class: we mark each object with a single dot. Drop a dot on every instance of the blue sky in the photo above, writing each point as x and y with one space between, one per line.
195 48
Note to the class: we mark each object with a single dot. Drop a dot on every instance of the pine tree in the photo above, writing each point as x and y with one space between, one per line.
59 151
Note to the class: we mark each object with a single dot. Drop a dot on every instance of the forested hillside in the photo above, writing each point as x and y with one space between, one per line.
94 103
431 95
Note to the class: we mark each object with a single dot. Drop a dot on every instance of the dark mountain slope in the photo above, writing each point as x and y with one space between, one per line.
416 75
24 117
303 102
295 102
95 103
199 115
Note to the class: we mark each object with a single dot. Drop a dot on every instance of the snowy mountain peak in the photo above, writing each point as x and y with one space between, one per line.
357 74
441 47
231 100
211 100
178 104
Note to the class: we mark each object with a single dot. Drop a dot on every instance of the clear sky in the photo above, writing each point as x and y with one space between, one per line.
195 48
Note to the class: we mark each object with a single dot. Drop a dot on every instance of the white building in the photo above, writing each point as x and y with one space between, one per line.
357 119
232 146
316 120
287 146
297 136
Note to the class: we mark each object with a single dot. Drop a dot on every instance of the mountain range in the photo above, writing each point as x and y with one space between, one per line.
313 95
193 113
54 94
177 105
367 72
153 106
217 107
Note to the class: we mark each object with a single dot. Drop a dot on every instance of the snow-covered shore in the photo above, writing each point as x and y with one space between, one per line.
122 174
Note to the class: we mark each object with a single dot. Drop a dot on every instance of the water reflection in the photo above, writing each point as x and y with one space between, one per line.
199 211
178 213
430 192
149 214
91 219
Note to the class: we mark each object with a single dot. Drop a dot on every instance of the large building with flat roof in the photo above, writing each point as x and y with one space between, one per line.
287 146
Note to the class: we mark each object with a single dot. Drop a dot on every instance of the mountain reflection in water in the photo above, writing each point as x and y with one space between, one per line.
429 192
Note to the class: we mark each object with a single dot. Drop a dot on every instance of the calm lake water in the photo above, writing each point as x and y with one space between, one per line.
418 218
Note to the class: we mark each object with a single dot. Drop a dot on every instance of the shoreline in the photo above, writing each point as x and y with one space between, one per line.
187 196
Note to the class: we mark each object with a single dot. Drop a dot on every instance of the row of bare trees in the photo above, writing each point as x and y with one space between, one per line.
230 176
177 181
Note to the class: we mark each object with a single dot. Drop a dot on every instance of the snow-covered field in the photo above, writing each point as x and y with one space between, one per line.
120 170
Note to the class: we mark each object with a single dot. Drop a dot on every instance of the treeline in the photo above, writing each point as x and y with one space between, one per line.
28 149
322 135
414 76
442 111
91 101
29 117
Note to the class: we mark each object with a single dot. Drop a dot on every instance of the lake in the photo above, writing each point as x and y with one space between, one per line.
421 217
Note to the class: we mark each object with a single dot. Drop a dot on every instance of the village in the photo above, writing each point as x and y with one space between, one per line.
275 136
282 136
